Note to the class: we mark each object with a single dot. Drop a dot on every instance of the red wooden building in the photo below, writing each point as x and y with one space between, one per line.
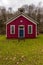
21 26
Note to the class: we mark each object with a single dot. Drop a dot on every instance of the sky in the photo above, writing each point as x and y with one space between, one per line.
15 4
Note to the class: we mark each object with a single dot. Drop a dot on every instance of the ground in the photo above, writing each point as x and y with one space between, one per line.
21 52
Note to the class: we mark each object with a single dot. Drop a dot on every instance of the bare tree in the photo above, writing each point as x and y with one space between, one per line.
3 10
31 9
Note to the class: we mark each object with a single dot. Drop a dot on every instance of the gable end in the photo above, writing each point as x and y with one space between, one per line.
22 16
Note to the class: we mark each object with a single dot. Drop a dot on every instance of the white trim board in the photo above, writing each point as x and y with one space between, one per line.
6 30
36 30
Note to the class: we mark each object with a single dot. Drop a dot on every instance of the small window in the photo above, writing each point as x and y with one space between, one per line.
12 29
29 29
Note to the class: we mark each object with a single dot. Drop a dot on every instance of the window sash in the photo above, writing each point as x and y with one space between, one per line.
30 29
12 29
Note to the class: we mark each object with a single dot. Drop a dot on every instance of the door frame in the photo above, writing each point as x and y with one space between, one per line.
19 30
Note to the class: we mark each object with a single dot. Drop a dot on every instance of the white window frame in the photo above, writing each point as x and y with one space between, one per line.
11 29
31 29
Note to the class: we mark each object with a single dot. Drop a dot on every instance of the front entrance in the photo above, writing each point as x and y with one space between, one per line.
21 32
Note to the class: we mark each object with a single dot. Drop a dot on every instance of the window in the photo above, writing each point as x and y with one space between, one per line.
30 29
12 29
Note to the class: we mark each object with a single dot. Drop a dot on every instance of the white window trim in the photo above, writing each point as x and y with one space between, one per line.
36 30
11 29
31 29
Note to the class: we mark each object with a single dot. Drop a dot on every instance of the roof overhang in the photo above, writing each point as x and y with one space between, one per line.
25 16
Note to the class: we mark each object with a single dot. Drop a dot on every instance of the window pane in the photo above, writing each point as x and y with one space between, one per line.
12 29
29 29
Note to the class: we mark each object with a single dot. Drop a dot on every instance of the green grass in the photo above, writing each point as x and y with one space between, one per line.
21 52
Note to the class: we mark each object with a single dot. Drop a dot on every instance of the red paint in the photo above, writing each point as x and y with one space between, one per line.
17 22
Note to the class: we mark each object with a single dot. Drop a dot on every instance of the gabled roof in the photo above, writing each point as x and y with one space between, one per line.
18 14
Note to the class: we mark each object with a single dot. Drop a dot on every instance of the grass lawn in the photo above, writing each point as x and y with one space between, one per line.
23 52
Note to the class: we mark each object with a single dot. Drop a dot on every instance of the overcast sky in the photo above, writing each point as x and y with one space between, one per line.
18 3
